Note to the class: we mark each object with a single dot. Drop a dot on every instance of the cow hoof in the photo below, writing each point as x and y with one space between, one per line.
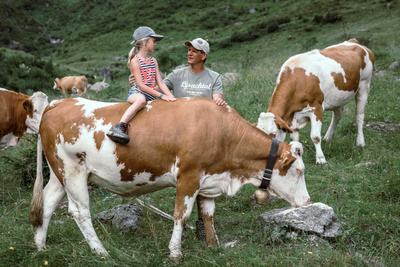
101 252
321 162
176 258
360 144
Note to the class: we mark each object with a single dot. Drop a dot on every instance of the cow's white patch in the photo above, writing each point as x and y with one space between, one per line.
90 106
39 101
141 183
149 106
214 185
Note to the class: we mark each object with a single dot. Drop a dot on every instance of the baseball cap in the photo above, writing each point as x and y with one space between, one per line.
143 32
199 44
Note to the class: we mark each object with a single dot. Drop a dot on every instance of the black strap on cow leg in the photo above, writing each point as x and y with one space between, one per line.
270 164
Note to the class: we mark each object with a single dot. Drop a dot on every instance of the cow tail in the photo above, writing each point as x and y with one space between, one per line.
36 214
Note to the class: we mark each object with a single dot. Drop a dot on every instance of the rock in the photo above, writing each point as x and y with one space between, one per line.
381 73
316 218
124 217
383 126
182 66
105 72
120 59
99 86
394 65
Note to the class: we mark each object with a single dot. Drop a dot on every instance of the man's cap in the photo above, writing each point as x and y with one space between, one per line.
199 44
143 32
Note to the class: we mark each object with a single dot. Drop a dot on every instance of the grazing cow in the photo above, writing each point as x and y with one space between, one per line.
192 144
20 114
68 84
319 80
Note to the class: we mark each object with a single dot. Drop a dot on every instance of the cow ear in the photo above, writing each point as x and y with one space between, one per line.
282 125
287 160
28 106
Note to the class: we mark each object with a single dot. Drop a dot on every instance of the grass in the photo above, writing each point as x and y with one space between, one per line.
361 184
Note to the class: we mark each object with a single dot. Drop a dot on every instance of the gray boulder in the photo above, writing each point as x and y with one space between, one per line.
124 217
316 218
105 72
97 87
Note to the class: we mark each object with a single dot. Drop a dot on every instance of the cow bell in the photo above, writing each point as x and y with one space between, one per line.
261 196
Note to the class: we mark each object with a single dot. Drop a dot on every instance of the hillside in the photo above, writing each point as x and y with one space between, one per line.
80 37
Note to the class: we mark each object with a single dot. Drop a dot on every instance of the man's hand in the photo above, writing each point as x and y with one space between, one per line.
220 102
132 80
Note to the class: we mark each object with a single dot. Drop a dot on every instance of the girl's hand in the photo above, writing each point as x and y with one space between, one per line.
168 98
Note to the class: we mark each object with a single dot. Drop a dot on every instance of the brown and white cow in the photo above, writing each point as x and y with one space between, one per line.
20 114
315 81
192 144
69 84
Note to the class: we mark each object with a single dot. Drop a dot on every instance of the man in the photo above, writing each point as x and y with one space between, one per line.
195 81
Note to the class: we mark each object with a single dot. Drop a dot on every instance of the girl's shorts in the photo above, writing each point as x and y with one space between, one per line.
137 91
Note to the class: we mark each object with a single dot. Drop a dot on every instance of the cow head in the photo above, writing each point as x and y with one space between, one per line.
35 106
287 181
56 84
273 125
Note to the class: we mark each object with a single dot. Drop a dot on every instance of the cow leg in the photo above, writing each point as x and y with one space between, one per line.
78 207
186 193
206 210
316 126
361 102
52 195
336 116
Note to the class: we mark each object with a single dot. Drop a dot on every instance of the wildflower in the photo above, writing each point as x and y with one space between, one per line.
46 263
12 248
310 252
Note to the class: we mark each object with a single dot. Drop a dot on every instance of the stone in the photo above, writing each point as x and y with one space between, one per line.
316 218
105 72
97 87
124 217
394 65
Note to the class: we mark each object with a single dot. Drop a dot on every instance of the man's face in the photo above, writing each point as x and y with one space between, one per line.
195 56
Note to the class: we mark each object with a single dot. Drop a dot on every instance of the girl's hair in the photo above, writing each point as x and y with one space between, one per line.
138 45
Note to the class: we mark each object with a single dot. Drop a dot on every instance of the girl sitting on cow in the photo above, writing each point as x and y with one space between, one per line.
145 70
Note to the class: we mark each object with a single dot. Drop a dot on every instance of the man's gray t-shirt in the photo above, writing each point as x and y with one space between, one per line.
184 83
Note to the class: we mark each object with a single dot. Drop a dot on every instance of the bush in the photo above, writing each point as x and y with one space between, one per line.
24 72
166 61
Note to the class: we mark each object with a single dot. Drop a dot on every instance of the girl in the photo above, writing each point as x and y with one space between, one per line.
145 70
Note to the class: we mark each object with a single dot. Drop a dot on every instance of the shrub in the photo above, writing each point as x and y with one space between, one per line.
23 72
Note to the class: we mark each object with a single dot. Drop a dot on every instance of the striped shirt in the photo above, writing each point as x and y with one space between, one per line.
148 73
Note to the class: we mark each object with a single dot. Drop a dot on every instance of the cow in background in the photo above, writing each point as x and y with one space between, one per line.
319 80
20 114
202 149
69 84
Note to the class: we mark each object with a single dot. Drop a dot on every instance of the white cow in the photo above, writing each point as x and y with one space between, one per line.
319 80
